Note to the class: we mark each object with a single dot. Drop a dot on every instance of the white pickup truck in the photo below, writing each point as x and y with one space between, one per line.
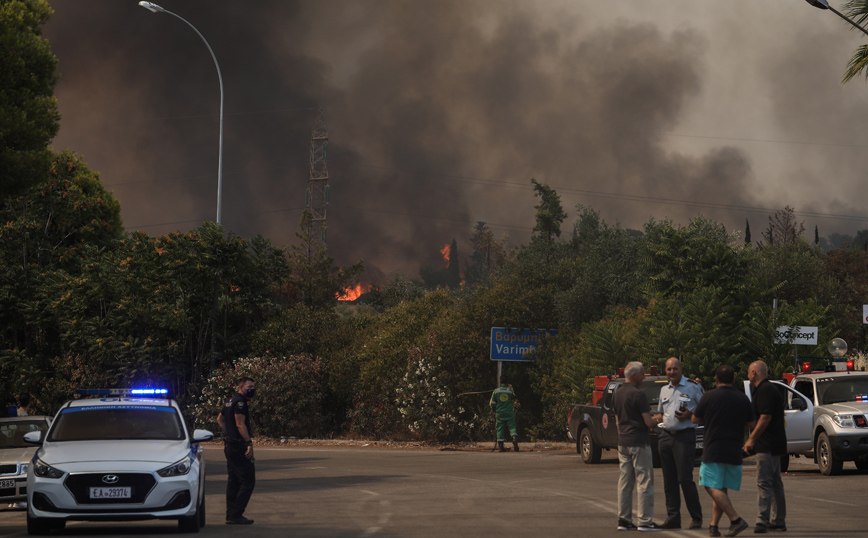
826 419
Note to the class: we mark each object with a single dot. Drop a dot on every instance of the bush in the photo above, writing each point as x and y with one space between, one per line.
288 401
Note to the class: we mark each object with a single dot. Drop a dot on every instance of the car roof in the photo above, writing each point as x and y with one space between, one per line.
25 418
837 373
126 402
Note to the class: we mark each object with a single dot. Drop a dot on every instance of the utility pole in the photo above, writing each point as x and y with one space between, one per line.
318 193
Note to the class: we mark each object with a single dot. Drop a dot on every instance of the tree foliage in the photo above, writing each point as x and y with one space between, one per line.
28 109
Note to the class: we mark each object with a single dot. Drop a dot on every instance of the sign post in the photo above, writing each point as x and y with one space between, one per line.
516 345
806 336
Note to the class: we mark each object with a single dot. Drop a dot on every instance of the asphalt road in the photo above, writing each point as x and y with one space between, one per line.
380 492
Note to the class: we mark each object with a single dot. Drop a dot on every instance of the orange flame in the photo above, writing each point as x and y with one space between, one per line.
445 252
351 294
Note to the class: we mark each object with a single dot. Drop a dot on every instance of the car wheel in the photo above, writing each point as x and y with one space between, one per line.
189 523
39 526
202 509
829 464
588 448
785 463
862 464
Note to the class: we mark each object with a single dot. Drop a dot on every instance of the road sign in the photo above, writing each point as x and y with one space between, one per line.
514 344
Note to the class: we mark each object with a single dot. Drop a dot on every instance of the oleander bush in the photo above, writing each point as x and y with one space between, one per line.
288 401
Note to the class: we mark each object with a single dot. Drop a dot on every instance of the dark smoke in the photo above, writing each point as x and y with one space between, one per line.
439 113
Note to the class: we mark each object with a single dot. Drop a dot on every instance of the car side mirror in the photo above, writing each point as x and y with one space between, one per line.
202 435
799 404
33 438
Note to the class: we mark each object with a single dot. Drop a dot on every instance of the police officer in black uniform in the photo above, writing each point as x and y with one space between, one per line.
234 420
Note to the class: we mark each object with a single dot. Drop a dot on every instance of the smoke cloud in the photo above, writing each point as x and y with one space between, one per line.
439 113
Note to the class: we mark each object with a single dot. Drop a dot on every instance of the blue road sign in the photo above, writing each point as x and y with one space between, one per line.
514 344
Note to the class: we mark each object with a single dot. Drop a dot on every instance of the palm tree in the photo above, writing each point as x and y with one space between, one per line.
857 10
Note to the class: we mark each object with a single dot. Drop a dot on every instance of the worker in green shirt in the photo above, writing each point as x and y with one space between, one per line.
501 403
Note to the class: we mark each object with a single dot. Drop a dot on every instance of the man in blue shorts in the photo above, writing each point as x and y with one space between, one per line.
726 413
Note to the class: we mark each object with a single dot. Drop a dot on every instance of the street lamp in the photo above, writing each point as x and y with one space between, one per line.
823 4
154 8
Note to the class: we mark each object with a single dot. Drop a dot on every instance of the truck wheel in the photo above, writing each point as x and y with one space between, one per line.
828 463
785 463
587 448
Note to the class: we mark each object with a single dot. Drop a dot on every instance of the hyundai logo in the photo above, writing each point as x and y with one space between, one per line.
110 479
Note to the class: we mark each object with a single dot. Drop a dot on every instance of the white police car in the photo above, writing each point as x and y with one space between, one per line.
125 456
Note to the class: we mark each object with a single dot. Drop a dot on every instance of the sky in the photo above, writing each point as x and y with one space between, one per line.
439 113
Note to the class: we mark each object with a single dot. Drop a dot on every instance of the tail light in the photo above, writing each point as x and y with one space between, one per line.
806 367
851 366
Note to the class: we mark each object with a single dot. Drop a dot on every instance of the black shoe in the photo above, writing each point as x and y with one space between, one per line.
624 525
515 442
671 525
777 528
239 521
695 524
737 526
760 529
713 530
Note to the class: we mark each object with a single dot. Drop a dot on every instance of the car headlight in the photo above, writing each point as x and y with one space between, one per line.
178 468
43 470
845 421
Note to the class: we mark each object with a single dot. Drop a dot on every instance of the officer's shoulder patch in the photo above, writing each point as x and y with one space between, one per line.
240 405
691 380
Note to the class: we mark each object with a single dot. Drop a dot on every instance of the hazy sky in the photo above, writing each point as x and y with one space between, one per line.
440 112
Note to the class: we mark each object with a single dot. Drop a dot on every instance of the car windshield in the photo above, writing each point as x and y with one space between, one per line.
652 392
12 432
846 388
116 422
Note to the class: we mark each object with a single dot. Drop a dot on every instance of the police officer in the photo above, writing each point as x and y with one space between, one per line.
677 445
501 403
234 420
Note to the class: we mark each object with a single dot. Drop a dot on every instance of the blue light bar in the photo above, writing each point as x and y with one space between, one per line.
122 392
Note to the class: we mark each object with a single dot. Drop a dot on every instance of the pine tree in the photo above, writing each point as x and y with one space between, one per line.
746 231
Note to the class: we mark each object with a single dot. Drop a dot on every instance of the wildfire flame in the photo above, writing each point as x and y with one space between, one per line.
351 294
445 252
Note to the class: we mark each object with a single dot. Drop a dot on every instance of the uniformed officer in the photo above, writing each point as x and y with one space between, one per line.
677 445
501 403
234 420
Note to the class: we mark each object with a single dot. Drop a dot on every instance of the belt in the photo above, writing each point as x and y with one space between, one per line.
675 432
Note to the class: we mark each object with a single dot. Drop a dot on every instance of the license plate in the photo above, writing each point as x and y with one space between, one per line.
110 493
7 483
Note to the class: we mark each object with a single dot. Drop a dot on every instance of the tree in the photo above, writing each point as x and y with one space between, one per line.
319 282
783 228
856 10
746 232
549 213
488 254
28 108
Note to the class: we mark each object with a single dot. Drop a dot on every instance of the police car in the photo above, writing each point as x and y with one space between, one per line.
124 455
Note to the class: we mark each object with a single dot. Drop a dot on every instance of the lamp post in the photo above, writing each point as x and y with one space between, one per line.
824 4
154 8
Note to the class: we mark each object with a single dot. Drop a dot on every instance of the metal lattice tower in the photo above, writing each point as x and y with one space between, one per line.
318 190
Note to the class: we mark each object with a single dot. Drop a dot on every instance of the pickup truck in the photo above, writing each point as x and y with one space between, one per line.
826 418
592 426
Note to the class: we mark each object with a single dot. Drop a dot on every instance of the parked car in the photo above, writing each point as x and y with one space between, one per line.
15 455
592 426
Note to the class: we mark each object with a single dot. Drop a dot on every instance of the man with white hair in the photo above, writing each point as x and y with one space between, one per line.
633 420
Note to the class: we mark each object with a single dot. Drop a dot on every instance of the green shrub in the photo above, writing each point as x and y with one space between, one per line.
288 401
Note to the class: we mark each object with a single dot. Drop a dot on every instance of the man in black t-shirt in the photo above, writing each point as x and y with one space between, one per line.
769 440
725 412
234 420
